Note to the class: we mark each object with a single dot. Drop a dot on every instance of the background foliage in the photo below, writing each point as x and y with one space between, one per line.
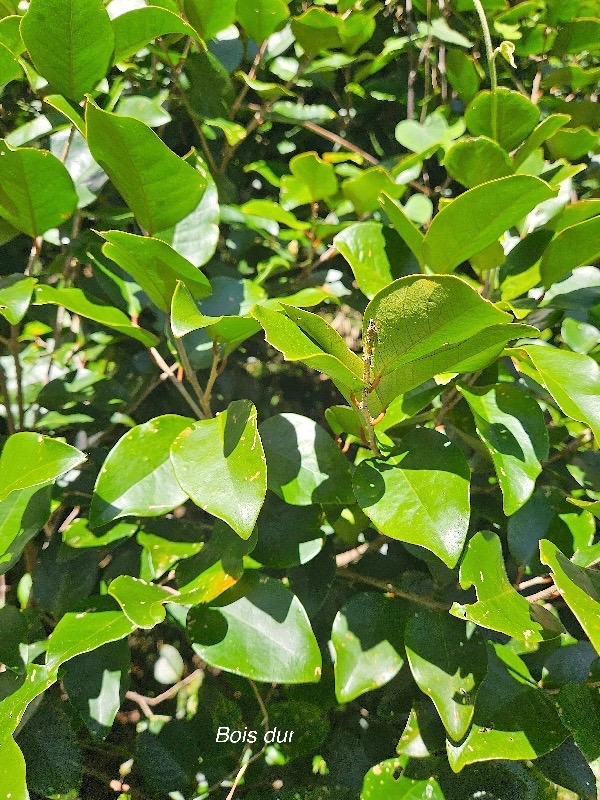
373 522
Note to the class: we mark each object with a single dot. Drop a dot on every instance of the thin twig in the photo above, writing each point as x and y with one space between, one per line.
192 378
13 344
10 420
333 137
215 371
386 586
261 704
491 59
546 594
356 553
173 378
147 703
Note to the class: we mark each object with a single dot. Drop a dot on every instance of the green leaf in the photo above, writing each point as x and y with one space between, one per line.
220 464
304 464
142 602
312 179
512 426
317 29
36 191
79 534
499 606
29 459
158 186
96 683
259 630
401 778
579 587
573 380
77 632
76 301
363 246
15 296
419 494
446 665
475 161
155 266
185 315
573 247
364 189
23 514
210 16
477 218
58 102
12 770
196 236
404 227
135 29
462 74
429 325
10 69
137 477
367 639
421 137
327 353
288 535
268 209
261 18
497 733
538 136
579 709
211 91
517 116
77 54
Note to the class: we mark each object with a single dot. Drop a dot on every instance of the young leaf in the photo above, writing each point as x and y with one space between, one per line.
220 464
499 606
158 186
512 427
363 247
257 629
137 477
36 191
304 466
15 296
367 639
573 380
29 459
477 218
579 587
447 666
419 493
142 602
70 43
155 266
538 136
76 301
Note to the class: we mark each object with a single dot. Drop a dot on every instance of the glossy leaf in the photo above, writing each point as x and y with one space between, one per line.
574 246
29 459
447 666
363 247
78 53
259 630
304 465
573 380
22 515
15 296
401 778
579 587
76 301
185 314
405 228
512 427
142 602
538 136
316 30
136 28
155 266
477 218
367 639
495 734
419 493
137 478
220 464
210 16
499 606
12 770
159 187
312 179
36 191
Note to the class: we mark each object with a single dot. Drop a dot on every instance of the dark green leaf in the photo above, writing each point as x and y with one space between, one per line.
135 29
262 18
475 161
516 116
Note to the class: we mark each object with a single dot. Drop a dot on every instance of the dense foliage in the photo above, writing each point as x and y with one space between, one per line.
372 523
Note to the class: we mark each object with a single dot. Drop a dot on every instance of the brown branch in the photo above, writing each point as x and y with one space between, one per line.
356 553
147 703
13 344
10 420
173 378
391 588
